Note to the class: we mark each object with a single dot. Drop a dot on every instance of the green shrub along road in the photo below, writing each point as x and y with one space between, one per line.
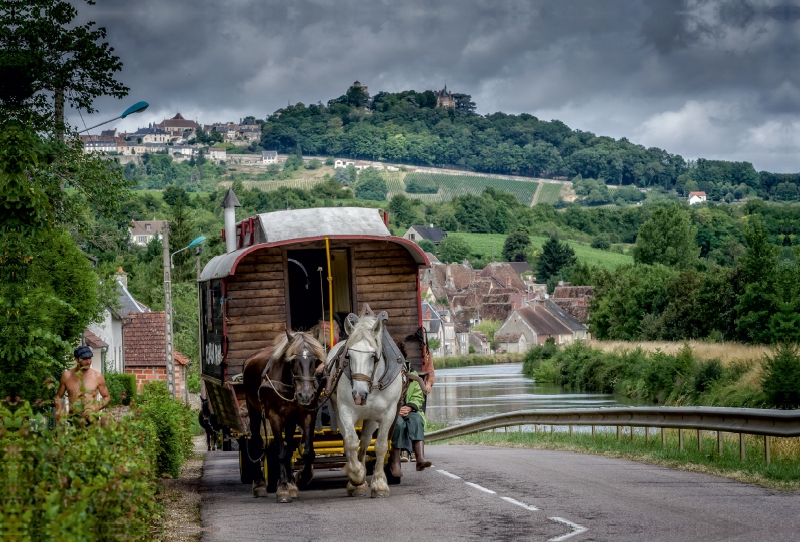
95 481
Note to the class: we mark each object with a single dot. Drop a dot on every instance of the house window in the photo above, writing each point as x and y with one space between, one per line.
142 239
412 236
147 227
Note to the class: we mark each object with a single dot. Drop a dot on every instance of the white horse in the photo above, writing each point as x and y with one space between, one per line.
359 398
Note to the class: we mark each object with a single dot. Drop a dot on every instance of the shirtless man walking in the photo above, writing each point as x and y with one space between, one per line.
82 384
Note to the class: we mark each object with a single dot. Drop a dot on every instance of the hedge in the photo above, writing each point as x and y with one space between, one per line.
76 482
121 388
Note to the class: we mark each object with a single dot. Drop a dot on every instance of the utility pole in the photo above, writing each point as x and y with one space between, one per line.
168 338
200 327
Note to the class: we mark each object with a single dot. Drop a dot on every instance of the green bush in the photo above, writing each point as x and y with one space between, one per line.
121 388
781 380
77 481
173 422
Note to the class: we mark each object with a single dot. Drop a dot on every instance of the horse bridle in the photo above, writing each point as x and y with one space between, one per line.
295 378
361 376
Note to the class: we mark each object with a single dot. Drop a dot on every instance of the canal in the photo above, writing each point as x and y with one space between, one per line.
470 393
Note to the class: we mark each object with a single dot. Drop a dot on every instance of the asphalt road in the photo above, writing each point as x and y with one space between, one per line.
477 493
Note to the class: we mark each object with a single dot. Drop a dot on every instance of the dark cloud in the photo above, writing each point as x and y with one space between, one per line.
655 71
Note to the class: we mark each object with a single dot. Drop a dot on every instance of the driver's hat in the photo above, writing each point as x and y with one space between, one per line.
83 352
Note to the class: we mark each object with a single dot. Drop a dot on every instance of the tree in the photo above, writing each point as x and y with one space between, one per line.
371 185
404 211
44 53
172 194
453 250
555 256
516 247
427 246
668 238
341 176
601 242
781 377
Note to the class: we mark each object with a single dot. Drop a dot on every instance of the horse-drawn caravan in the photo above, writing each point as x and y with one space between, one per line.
290 280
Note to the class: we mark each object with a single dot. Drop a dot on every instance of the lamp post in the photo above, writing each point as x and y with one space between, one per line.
138 107
168 334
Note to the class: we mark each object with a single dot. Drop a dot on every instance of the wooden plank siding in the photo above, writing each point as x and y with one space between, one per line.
383 275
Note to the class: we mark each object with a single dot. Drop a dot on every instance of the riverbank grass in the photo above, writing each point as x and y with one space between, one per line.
782 473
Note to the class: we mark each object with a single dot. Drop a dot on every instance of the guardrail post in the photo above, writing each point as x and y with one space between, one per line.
719 443
663 437
505 429
680 439
646 435
631 433
766 449
570 430
520 429
699 440
619 432
593 431
741 446
552 429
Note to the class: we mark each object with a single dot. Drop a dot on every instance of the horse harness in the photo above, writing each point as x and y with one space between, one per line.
280 387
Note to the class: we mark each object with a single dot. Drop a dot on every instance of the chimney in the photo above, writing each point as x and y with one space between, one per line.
122 277
229 202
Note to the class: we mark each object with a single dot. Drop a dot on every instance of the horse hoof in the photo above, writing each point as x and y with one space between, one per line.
357 491
259 490
284 495
380 494
292 491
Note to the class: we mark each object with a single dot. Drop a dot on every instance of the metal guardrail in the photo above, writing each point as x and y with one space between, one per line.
744 421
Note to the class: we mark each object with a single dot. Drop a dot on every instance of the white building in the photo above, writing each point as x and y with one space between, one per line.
696 197
269 157
144 231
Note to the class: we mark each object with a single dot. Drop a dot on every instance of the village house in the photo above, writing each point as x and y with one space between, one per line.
144 231
217 154
145 351
269 157
105 338
431 233
696 197
480 343
529 326
575 300
151 135
432 322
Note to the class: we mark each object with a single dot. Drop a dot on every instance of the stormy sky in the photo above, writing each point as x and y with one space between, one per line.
700 78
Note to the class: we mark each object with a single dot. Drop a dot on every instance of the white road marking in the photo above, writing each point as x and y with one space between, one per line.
576 529
449 474
522 504
481 488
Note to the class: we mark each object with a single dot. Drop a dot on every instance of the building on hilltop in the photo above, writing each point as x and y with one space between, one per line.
431 233
444 98
696 197
177 124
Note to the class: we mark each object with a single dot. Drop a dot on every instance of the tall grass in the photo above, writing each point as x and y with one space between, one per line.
468 361
678 378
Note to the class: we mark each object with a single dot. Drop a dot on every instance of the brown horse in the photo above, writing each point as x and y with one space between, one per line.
280 384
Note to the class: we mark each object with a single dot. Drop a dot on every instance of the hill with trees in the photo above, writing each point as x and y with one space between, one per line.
407 127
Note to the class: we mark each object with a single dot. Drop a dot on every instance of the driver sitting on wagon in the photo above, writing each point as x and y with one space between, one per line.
410 426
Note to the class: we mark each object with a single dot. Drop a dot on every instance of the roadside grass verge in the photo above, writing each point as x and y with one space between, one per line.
474 359
782 473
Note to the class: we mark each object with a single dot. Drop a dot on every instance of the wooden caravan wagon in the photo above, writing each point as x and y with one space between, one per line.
274 278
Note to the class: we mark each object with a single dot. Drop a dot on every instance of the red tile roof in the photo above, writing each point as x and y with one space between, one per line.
144 339
93 341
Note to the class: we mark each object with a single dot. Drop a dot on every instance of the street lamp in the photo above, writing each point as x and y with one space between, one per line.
168 335
193 244
138 107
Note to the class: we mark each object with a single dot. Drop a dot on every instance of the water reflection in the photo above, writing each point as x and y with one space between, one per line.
470 393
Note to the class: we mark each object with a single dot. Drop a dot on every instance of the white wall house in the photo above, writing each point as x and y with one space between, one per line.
269 157
696 197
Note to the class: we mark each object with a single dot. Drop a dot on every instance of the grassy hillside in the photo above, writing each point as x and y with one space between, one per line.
485 243
458 185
